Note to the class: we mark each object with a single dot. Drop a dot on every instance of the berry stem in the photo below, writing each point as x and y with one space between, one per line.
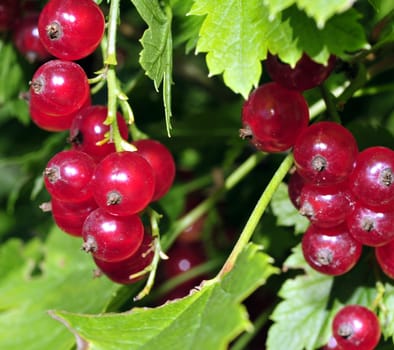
257 213
329 100
110 58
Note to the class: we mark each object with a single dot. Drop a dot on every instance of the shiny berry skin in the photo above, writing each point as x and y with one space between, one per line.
305 75
162 163
325 153
71 29
331 251
273 117
355 327
8 12
27 40
70 216
126 182
87 131
385 258
121 271
59 88
370 227
68 176
325 206
294 188
54 123
372 180
112 238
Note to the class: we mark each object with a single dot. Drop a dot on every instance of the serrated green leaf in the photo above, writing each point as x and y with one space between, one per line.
156 56
212 316
285 212
319 10
41 277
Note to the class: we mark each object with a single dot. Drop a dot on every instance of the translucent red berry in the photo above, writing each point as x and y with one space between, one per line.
160 159
325 153
306 74
89 134
295 185
122 271
112 238
332 251
126 182
273 117
71 29
68 176
59 88
355 327
385 258
372 180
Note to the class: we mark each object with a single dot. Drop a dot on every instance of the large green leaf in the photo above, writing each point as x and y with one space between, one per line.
36 278
156 56
206 319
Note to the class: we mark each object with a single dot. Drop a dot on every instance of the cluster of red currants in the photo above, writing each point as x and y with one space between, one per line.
97 193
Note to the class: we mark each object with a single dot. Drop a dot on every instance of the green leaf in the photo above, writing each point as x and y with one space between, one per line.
285 212
386 315
36 278
156 56
212 316
319 10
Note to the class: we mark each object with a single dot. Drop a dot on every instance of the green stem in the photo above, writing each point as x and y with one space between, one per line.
329 100
357 83
257 213
110 58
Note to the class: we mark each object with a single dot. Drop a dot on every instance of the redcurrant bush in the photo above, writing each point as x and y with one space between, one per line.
71 29
273 117
331 251
162 163
112 238
325 153
126 182
59 88
355 327
305 75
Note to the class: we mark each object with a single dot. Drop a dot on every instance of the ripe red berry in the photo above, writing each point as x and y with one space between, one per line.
325 206
27 40
88 131
371 227
306 74
385 258
325 153
294 188
59 88
71 29
273 117
372 180
112 238
71 216
332 251
68 176
162 163
355 327
121 271
126 182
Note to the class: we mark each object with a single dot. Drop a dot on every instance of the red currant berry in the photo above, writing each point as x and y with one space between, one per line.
162 163
27 40
112 238
8 13
68 176
88 131
294 188
71 29
71 216
385 258
372 180
59 88
305 75
325 153
325 206
126 182
370 227
54 123
123 270
331 251
273 117
355 327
